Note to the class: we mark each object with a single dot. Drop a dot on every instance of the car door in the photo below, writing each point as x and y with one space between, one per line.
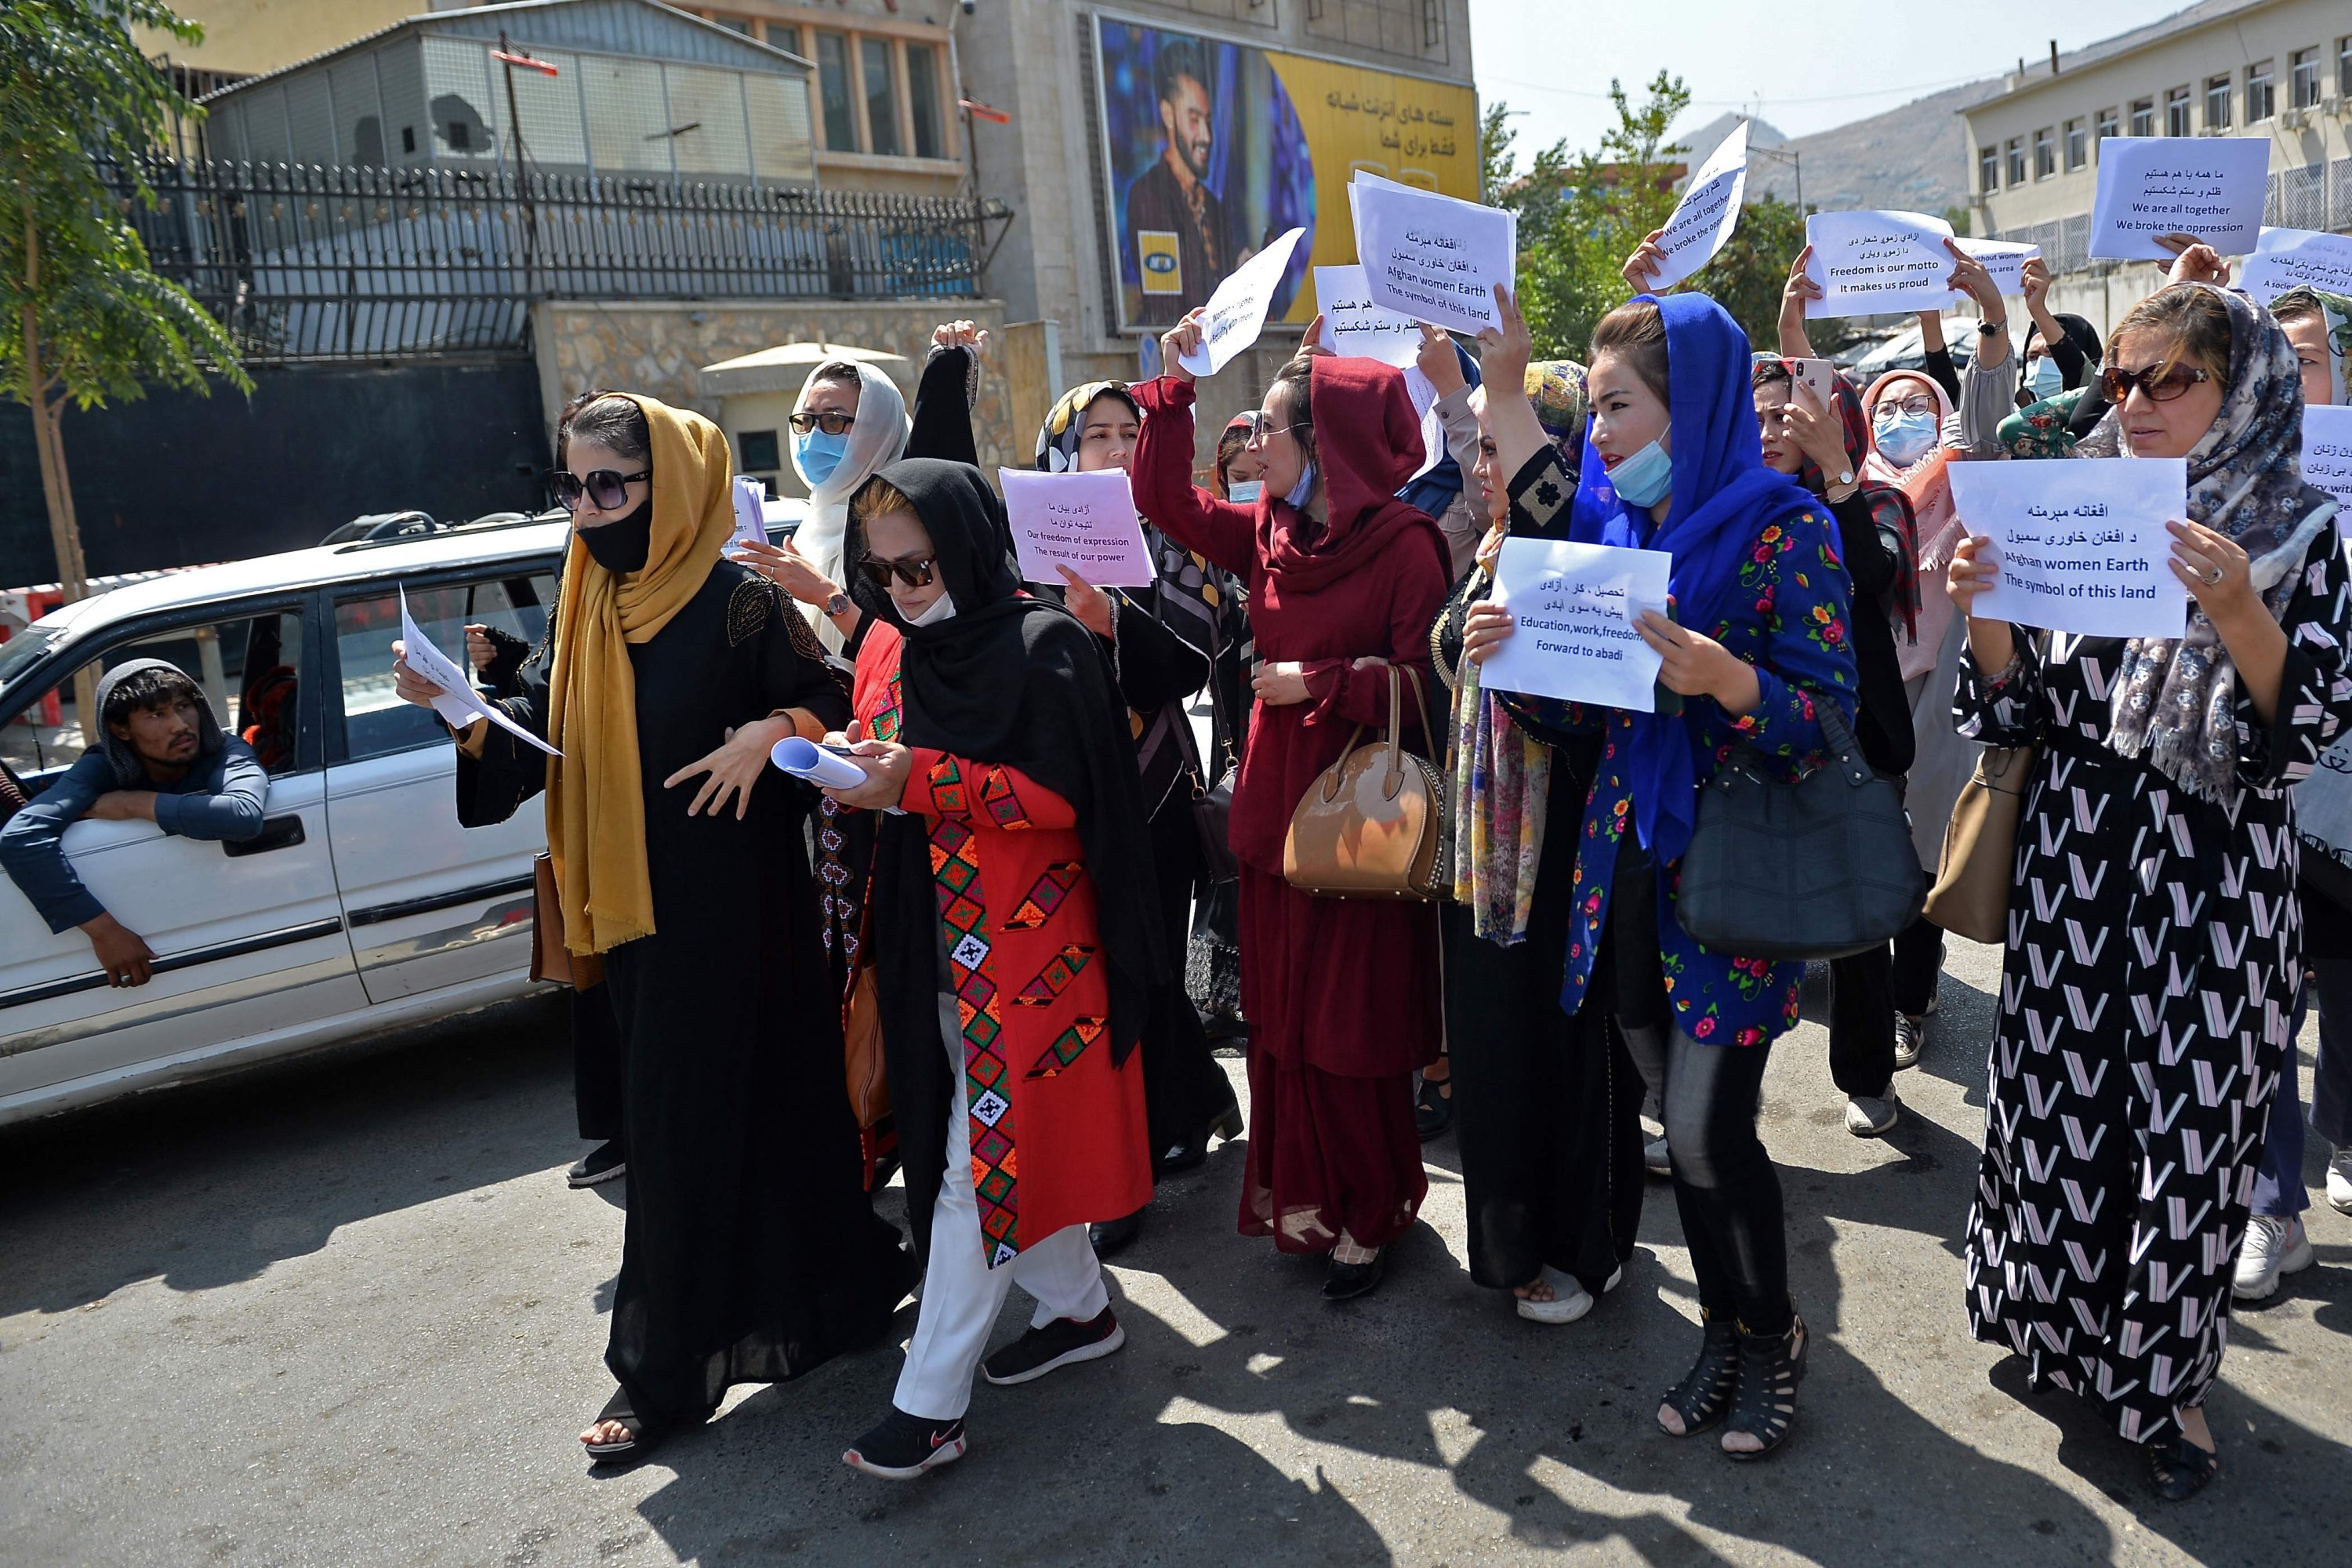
249 936
431 904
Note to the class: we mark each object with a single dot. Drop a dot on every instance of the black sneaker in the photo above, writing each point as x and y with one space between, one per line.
604 1163
1058 1343
903 1447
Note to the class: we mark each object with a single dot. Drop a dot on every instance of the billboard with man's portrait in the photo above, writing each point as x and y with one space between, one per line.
1211 148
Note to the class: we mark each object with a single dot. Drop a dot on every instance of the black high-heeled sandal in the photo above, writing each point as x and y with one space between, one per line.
1771 1367
1701 1398
1193 1151
2179 1470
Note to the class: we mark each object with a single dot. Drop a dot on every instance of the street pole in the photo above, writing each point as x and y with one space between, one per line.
522 176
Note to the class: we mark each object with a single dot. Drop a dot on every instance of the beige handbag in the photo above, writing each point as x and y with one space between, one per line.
1973 877
1373 824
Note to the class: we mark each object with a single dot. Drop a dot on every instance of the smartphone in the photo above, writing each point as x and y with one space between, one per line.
1817 376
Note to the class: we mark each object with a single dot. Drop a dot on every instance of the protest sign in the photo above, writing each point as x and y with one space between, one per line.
1084 521
2003 259
1574 606
1355 323
1431 258
1878 263
2208 187
823 766
1235 313
2082 547
459 705
750 511
1706 214
2285 259
2327 456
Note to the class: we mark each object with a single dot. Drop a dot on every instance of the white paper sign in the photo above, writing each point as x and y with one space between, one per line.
1574 605
821 765
1433 257
1878 263
1084 521
1355 323
1235 313
2208 186
2081 546
2003 259
2327 456
458 704
2285 259
750 511
1707 213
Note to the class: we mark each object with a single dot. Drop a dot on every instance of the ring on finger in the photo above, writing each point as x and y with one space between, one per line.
2212 577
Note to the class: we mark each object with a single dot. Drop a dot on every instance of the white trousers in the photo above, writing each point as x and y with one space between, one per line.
963 1295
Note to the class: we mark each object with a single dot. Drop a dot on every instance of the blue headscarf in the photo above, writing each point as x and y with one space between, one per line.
1724 497
1434 491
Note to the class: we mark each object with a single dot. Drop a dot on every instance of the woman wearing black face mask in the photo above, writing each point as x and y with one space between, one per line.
752 1254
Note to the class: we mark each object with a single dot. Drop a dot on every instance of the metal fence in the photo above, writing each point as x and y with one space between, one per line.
309 263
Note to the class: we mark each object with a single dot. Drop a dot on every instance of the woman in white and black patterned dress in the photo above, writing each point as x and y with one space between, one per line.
2155 940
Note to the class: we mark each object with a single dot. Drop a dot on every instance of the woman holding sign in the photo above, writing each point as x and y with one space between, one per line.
1674 464
1341 993
2154 950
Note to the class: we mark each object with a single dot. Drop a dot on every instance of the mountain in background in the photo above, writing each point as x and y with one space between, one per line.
1914 158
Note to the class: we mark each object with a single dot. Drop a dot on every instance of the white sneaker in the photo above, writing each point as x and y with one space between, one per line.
2274 1246
1869 1115
2339 1182
1570 1301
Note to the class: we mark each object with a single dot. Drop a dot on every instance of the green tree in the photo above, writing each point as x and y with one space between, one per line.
88 320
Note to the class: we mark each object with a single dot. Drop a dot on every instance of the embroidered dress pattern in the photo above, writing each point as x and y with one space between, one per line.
963 925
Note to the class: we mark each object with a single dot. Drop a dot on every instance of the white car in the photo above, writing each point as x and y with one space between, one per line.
361 906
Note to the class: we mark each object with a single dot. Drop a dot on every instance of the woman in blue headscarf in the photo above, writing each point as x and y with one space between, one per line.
1756 641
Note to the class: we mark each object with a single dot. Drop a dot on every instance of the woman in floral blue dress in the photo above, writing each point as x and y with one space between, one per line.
1674 463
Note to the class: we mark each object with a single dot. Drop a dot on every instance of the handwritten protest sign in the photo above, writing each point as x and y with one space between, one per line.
1878 263
1707 213
1574 605
2284 259
1355 323
2003 259
2081 546
2210 187
1431 258
459 705
1235 313
2327 456
1084 521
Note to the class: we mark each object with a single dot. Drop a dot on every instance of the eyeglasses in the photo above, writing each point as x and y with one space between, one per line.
832 422
2161 383
1888 408
1254 429
607 489
914 574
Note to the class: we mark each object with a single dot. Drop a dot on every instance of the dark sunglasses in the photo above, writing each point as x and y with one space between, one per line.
607 489
832 421
914 574
2161 383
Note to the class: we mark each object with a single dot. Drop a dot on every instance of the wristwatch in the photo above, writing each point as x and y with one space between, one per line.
1987 329
838 605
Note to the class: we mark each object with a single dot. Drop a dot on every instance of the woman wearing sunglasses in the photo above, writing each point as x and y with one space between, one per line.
750 1254
1341 993
2154 951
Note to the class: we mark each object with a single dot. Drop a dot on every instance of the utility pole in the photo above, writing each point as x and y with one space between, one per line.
507 57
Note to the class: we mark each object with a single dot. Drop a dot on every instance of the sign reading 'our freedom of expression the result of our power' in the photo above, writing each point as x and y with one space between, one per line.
1084 521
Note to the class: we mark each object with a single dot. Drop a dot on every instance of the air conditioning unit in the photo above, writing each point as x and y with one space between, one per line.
2294 118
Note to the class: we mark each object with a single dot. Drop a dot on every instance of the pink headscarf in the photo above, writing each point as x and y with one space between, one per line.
1939 526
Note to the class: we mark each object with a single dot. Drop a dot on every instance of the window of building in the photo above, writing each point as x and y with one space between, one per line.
1988 170
2176 113
2104 127
881 96
784 35
733 24
2344 65
2217 103
833 89
2143 117
2078 145
2302 77
923 100
2015 149
2261 94
2045 153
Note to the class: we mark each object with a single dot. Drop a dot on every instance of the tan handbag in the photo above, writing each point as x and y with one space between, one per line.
550 959
1373 824
1973 877
861 1033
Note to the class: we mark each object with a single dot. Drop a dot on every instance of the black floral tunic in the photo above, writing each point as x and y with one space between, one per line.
2153 947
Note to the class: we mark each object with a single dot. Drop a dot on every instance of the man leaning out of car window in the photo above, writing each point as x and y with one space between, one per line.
162 758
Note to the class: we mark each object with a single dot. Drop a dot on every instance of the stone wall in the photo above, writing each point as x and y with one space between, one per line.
658 348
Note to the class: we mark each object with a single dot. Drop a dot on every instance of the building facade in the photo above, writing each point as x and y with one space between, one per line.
2280 69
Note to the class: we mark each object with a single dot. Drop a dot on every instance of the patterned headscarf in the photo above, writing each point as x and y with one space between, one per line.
2174 697
2334 312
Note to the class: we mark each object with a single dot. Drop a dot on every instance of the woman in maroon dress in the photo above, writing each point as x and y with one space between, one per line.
1341 995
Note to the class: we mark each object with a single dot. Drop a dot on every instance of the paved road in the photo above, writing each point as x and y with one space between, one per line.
346 1312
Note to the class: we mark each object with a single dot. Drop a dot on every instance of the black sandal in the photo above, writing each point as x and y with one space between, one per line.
1432 1107
2177 1471
1701 1398
645 1436
1770 1371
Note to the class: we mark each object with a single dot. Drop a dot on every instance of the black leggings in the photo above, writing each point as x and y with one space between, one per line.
1725 1186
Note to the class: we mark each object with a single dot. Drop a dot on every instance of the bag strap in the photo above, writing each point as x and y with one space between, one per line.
1843 747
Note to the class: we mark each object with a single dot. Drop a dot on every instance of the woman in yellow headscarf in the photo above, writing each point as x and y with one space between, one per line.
753 1252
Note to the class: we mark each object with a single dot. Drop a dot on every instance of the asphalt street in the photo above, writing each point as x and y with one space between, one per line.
346 1311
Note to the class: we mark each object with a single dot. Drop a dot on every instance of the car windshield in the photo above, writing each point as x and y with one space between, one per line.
24 649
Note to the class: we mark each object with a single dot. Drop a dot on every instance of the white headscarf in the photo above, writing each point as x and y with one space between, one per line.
877 440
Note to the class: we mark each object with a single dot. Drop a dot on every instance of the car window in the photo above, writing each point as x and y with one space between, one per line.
249 667
375 720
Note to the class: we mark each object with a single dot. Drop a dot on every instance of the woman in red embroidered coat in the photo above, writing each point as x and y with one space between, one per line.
1341 995
1012 992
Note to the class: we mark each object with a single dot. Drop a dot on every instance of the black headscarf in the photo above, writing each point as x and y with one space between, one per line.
2081 336
1018 680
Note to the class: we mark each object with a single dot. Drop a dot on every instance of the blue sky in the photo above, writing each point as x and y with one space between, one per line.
1812 65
